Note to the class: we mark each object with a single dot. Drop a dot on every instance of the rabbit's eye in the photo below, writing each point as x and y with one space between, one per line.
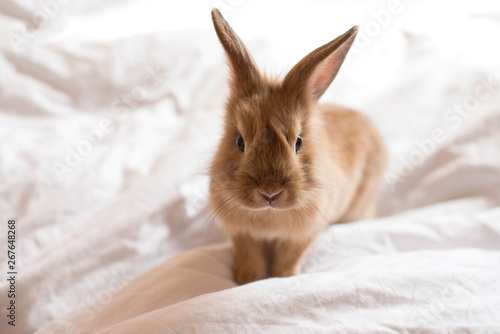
298 144
241 144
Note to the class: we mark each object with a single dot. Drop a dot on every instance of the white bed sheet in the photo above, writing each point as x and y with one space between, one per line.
154 86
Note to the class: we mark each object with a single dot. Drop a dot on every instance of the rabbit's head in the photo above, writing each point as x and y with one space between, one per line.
271 147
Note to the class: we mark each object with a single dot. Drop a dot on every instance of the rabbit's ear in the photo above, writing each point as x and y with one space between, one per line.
244 73
314 73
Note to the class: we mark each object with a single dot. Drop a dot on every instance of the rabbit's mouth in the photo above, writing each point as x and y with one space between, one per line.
269 206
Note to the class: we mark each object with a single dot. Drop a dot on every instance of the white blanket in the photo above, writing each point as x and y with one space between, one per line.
109 117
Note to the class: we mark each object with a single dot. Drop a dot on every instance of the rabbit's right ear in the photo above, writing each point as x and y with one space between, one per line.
314 73
244 74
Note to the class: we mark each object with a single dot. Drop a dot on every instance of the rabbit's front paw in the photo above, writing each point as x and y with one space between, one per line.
283 271
244 274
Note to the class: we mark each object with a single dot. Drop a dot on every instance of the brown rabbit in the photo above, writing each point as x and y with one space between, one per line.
286 168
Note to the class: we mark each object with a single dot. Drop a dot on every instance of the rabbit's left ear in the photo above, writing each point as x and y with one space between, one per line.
314 73
244 74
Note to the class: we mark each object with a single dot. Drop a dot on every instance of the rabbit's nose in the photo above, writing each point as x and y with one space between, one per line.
270 197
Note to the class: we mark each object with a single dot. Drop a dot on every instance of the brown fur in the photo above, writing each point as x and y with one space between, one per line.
333 178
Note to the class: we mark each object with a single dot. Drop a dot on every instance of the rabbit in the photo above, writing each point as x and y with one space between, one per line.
287 168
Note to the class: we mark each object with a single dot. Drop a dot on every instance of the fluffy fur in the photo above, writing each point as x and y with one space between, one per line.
333 178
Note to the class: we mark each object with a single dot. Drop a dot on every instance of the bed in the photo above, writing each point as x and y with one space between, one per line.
109 116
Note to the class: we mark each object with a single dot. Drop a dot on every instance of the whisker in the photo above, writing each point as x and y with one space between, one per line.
332 186
231 208
213 215
226 210
320 212
214 192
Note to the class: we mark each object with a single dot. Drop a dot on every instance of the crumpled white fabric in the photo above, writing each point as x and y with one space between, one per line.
430 269
143 99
